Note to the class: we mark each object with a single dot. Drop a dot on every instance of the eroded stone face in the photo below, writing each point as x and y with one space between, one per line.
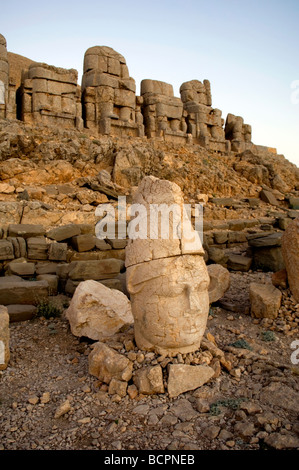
290 252
170 303
167 278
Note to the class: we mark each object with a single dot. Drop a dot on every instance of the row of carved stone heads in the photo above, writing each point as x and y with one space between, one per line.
107 103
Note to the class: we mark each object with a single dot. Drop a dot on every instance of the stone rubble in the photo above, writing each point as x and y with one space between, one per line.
57 404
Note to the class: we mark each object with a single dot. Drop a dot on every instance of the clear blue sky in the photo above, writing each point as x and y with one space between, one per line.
249 50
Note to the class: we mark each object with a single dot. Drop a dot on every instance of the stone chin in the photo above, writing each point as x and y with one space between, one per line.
182 334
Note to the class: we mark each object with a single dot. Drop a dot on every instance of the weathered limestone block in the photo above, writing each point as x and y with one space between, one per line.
267 253
239 262
184 377
57 252
20 267
166 278
4 338
96 311
269 197
64 232
265 300
84 242
105 363
95 269
219 281
290 252
149 380
19 246
6 250
19 312
37 248
102 245
23 292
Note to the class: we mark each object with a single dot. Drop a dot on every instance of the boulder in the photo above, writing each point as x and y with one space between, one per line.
184 377
219 281
265 300
96 311
105 364
290 253
4 338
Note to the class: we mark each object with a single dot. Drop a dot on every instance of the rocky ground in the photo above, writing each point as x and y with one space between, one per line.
49 401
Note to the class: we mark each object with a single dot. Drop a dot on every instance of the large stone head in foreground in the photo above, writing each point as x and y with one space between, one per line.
290 251
166 274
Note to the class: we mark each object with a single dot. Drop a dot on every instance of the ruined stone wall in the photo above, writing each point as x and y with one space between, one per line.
238 133
110 105
4 77
50 95
107 103
163 112
204 123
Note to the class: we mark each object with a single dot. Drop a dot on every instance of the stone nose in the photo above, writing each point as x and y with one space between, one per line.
193 299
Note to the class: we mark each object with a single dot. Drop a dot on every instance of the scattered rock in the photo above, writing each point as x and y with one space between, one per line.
182 377
219 281
105 363
64 408
149 380
265 300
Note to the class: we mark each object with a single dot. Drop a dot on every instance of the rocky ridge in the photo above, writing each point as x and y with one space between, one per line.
49 399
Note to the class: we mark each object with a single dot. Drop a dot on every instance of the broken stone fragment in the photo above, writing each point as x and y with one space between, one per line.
64 232
105 364
149 380
184 377
219 281
265 300
96 311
